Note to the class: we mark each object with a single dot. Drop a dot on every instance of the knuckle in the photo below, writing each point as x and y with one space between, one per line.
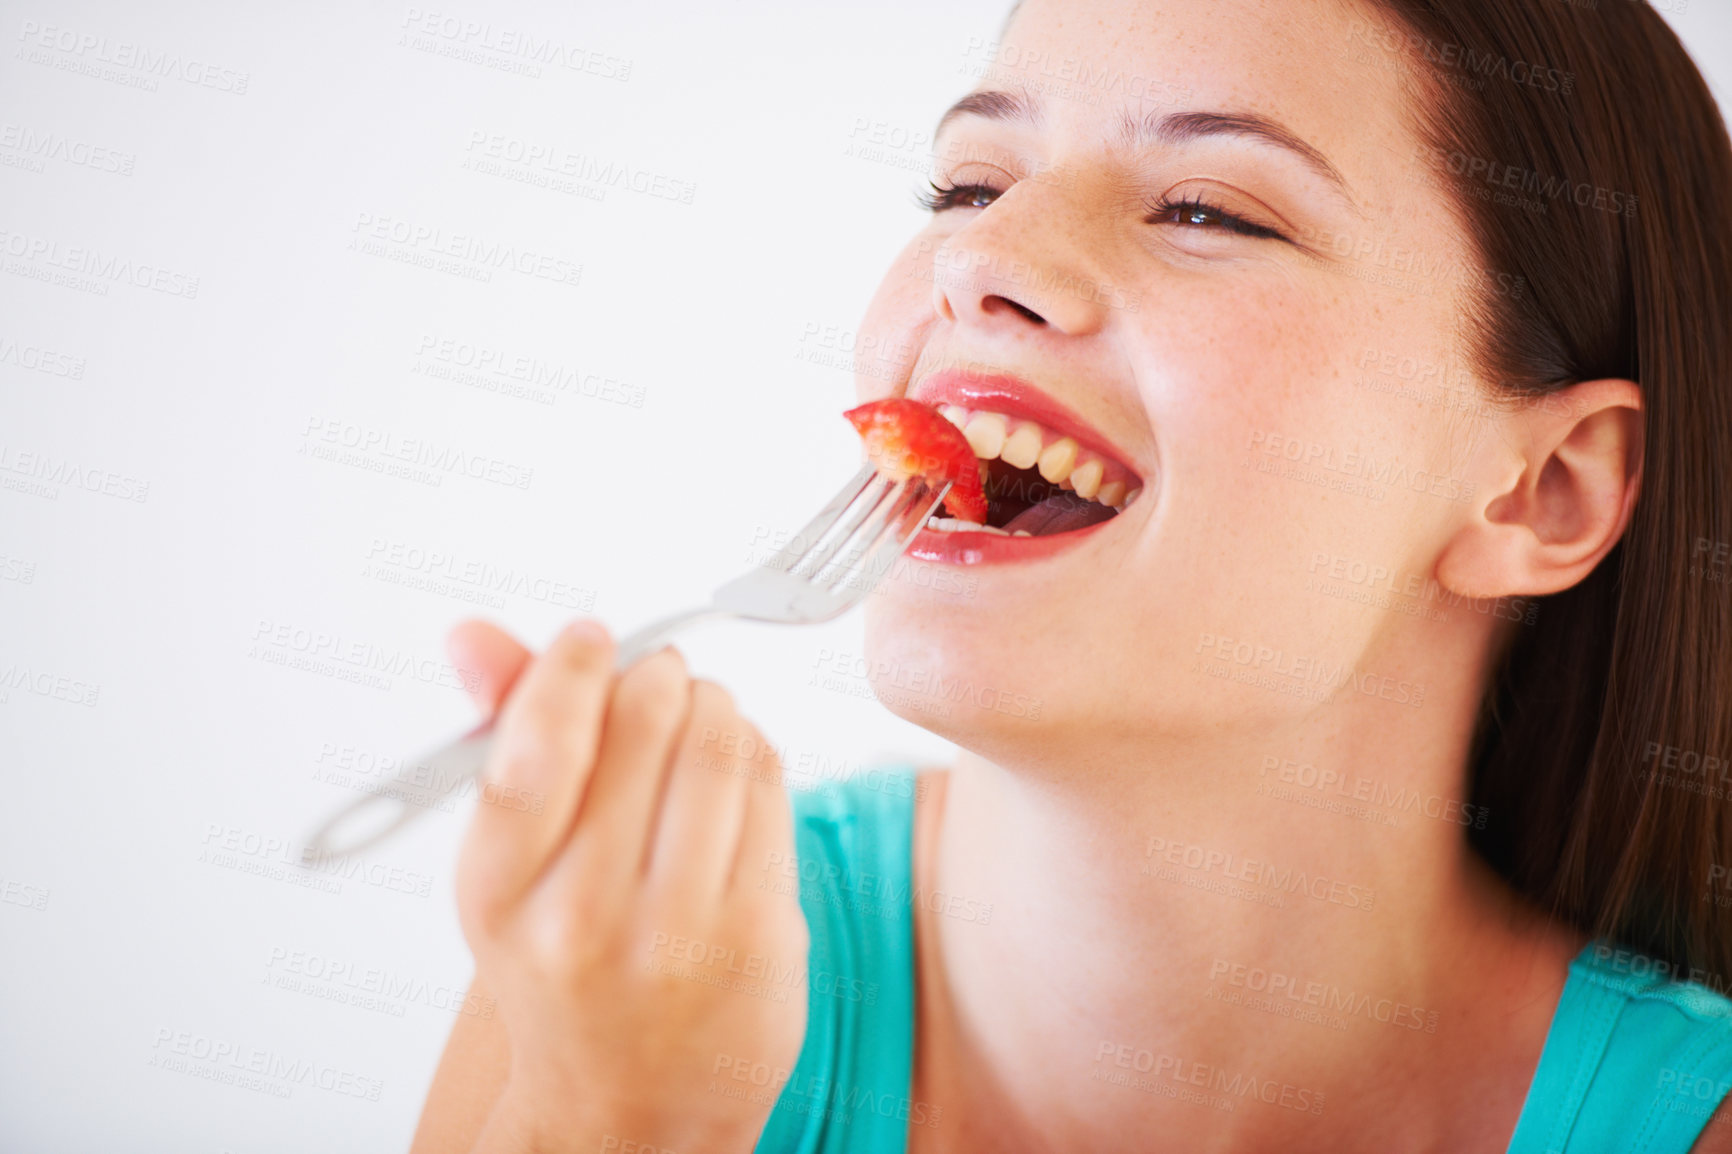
765 756
654 694
482 909
554 946
767 774
711 700
571 936
485 924
664 667
761 771
716 727
549 700
532 737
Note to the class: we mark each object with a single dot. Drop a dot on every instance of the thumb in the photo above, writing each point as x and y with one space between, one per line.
492 658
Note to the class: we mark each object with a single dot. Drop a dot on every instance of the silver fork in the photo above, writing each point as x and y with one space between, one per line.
826 569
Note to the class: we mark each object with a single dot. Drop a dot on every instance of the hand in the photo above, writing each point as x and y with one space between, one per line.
610 890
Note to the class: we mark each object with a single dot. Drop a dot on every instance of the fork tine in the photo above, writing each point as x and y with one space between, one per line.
767 592
848 548
763 594
869 511
802 542
889 544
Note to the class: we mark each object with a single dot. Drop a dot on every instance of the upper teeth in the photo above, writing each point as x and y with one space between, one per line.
1026 445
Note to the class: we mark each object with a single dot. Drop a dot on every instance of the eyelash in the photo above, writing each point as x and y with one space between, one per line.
943 197
1187 205
940 197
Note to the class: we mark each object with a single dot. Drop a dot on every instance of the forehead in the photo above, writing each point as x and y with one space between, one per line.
1314 66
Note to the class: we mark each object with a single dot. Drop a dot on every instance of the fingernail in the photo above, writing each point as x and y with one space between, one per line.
589 631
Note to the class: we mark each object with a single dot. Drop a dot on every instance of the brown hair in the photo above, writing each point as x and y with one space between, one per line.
1588 158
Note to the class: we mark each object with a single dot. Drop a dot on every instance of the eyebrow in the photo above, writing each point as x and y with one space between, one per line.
1154 128
994 106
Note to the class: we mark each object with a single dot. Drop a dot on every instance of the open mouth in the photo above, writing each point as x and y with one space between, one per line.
1051 480
1040 481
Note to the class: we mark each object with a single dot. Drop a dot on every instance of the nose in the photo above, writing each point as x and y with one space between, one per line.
1013 267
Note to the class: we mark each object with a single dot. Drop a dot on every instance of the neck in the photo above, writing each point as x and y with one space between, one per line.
1226 940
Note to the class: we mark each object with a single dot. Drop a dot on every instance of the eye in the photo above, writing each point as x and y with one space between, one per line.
942 197
1194 213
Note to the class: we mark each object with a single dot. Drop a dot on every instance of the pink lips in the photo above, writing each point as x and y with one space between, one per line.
990 549
1014 398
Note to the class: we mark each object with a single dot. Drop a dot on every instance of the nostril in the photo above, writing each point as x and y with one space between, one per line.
992 303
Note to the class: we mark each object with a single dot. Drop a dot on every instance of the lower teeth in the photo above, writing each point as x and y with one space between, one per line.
952 525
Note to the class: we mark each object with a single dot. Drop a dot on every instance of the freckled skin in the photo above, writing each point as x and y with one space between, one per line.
1232 342
1137 684
1151 698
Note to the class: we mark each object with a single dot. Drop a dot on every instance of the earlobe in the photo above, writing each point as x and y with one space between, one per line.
1565 500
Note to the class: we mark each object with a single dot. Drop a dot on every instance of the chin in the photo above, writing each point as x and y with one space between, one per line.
955 672
1035 698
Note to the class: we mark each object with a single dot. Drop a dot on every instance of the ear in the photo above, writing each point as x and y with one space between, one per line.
1570 480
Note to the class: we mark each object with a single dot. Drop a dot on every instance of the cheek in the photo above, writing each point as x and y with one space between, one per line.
1220 388
1270 449
896 323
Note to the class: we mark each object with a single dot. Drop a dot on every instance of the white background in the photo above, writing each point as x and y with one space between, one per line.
799 129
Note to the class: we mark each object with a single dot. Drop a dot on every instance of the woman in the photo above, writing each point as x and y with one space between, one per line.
1349 787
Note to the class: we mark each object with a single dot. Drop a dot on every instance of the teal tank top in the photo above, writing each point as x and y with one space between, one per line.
1634 1063
848 1091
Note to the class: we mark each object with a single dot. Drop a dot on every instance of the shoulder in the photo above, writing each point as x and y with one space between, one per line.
1659 1049
1717 1135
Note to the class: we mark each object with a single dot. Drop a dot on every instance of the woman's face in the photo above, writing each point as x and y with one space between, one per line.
1202 229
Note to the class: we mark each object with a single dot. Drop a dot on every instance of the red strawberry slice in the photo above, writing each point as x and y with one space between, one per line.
907 438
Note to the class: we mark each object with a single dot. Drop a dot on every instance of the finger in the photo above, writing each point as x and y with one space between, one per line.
543 752
699 826
764 858
490 660
644 718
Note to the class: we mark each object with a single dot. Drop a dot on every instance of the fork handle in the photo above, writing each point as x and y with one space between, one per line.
653 636
455 764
